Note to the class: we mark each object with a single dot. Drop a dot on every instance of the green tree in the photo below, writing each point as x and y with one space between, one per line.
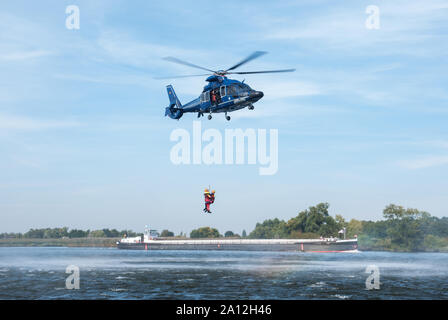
269 229
375 229
435 226
11 235
314 220
167 233
205 232
75 233
128 233
405 227
354 227
329 227
340 222
35 233
97 234
229 234
114 233
435 243
394 212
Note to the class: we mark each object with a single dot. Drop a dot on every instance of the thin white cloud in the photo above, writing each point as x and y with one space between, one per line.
403 25
24 55
121 47
10 122
426 162
276 89
439 143
23 39
117 79
27 162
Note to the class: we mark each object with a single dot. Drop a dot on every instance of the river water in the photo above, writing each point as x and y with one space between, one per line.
109 273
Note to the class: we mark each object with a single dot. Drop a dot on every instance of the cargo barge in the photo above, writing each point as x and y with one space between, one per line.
150 241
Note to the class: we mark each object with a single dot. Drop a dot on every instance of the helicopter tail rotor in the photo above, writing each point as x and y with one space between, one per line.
174 111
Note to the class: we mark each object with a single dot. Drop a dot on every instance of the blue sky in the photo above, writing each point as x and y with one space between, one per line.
83 141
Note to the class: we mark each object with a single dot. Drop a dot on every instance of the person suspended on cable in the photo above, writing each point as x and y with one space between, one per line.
208 201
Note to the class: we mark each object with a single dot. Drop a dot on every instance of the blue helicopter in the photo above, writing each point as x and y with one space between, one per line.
220 95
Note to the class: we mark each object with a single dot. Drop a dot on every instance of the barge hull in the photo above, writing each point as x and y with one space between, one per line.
315 246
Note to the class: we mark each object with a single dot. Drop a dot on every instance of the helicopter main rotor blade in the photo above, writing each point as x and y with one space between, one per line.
185 63
186 76
266 71
253 56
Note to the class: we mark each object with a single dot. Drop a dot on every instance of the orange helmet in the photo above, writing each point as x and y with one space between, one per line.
213 191
206 191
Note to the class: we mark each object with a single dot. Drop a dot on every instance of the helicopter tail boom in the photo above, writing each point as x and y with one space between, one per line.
174 111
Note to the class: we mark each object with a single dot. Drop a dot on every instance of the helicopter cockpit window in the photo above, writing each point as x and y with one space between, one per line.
232 90
244 87
222 91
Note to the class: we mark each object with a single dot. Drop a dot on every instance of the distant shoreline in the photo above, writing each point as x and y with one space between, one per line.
111 243
69 242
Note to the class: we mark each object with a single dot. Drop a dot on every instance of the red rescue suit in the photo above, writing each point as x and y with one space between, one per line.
208 201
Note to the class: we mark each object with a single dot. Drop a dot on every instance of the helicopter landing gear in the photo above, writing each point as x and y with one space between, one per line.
227 117
251 107
209 117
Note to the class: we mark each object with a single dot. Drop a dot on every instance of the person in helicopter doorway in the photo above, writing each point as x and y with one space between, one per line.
213 97
218 96
208 201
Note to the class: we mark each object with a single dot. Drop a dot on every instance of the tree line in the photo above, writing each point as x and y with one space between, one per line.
64 232
402 229
207 232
